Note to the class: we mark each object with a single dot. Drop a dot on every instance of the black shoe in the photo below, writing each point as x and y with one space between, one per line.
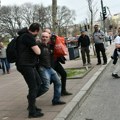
37 109
65 93
98 64
115 75
59 103
105 63
35 115
112 57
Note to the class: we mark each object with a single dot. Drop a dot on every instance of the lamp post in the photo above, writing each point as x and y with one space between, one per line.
103 14
0 4
54 15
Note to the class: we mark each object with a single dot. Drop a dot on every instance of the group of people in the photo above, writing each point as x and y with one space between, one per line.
39 68
98 39
36 62
4 64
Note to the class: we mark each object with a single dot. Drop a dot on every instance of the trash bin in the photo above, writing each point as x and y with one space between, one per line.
73 52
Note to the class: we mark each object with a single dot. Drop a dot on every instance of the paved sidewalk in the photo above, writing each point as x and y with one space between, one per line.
13 91
102 103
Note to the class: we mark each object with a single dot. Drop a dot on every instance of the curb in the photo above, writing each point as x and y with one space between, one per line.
70 109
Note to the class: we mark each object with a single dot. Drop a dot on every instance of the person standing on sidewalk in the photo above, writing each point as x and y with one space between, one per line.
117 49
3 57
28 52
98 38
110 39
84 42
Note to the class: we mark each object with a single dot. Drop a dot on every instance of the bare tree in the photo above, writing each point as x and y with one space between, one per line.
27 13
65 17
41 15
49 17
93 10
15 17
9 20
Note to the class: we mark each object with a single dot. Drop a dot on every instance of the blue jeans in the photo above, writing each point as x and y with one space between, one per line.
5 65
49 75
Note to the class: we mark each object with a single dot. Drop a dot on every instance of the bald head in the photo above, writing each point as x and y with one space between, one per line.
45 34
48 31
45 37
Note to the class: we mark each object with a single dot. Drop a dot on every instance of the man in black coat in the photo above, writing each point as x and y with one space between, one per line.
84 42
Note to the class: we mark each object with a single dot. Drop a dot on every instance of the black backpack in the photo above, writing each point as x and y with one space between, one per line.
11 50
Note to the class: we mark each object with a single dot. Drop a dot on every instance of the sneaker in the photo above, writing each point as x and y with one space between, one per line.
65 93
8 72
84 64
98 64
105 63
89 64
37 109
112 57
115 75
59 103
37 114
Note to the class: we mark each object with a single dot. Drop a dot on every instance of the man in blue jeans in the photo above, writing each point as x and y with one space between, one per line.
47 73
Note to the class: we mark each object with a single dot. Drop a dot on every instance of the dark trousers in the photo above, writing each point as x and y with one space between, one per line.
61 71
100 48
85 52
33 81
110 41
115 56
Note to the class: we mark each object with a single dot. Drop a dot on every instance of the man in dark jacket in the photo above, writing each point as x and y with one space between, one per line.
28 52
47 73
84 42
56 64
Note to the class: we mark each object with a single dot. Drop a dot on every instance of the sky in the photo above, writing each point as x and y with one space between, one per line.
80 6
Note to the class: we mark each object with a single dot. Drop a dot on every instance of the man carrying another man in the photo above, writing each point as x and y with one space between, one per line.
47 73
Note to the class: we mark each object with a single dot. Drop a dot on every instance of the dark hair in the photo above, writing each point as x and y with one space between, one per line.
34 26
53 38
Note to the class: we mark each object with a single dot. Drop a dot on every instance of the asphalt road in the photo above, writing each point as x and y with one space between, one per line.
103 102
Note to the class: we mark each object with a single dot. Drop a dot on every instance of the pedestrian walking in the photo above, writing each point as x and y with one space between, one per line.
98 38
28 51
117 56
84 42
